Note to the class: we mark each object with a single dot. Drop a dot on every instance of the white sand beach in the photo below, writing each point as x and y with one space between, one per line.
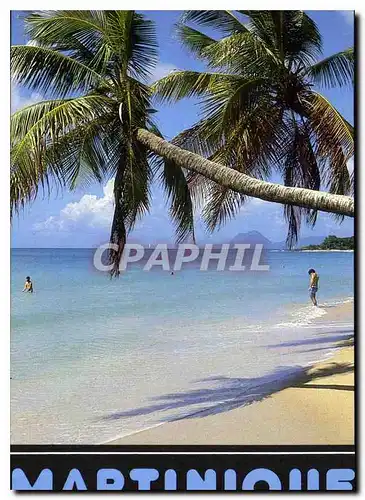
316 410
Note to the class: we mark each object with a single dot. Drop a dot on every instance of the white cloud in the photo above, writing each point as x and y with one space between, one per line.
272 213
32 43
350 165
93 215
347 15
161 70
90 212
19 101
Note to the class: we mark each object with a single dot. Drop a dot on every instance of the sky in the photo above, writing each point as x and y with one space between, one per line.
82 218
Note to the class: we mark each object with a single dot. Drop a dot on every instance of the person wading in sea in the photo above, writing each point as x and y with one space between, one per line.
28 285
313 285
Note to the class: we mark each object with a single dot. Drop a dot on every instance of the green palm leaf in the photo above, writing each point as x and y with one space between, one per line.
224 20
195 41
43 143
336 70
243 54
175 184
221 205
181 84
334 141
51 72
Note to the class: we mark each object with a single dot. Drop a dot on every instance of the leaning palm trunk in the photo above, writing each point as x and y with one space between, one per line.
242 183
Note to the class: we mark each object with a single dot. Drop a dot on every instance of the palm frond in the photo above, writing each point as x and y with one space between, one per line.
199 139
181 84
241 54
134 42
301 169
335 70
262 25
252 146
37 133
195 41
51 72
52 27
334 140
144 54
291 34
223 20
321 112
221 205
232 99
88 153
293 216
303 41
175 185
136 186
48 120
82 35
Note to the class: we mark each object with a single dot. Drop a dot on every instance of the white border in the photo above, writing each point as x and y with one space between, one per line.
4 182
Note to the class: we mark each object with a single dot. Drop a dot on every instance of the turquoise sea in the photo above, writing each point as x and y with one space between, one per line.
93 359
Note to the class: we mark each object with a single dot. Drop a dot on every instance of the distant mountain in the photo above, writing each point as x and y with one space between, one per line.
252 238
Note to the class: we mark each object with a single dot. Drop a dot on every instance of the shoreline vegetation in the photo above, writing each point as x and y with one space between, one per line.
323 413
333 244
320 250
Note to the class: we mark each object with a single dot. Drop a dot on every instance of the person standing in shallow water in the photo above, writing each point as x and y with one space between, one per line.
28 285
313 285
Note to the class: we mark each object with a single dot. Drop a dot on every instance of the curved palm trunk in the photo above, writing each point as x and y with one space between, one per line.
118 236
242 183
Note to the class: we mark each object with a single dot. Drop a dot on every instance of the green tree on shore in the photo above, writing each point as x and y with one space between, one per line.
333 242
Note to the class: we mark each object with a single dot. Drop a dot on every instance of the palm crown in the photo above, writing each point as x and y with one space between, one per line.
261 110
93 66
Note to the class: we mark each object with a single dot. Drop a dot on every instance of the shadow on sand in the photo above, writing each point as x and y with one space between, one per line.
343 335
229 393
334 387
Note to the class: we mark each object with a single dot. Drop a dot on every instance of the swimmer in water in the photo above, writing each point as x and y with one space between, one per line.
28 285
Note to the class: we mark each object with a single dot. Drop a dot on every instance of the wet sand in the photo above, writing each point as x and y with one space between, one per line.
317 409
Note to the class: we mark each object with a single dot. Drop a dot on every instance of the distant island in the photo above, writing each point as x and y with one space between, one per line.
333 243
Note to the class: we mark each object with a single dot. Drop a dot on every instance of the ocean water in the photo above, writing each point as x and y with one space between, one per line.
93 359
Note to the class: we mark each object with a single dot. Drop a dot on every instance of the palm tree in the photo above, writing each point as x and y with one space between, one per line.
93 67
96 123
262 111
